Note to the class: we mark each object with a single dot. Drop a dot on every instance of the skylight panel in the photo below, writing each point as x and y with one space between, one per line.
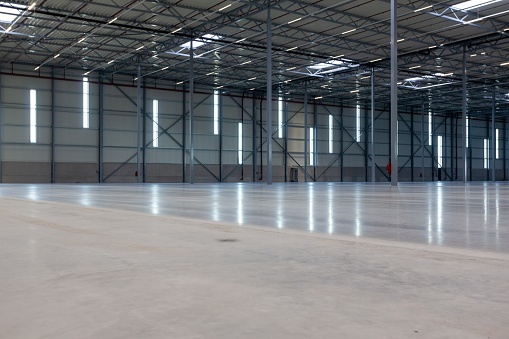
200 41
9 14
472 4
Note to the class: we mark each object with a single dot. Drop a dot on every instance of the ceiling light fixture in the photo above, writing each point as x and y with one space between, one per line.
350 31
504 64
291 22
56 56
112 20
175 31
238 41
180 83
31 6
291 49
355 91
110 62
422 9
318 98
225 7
414 67
251 79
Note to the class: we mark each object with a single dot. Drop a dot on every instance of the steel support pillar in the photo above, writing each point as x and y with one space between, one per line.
315 115
493 136
412 144
366 144
52 126
101 127
373 160
306 135
138 126
269 96
184 135
144 129
220 99
422 138
254 139
341 132
1 124
394 93
285 131
191 113
464 114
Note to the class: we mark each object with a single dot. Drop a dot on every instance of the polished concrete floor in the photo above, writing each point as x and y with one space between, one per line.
424 260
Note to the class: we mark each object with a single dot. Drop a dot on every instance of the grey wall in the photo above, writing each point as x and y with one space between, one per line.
72 153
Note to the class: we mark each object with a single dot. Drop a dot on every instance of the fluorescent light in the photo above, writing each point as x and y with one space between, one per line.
180 83
354 91
291 49
376 60
473 55
225 7
240 40
81 40
291 22
139 48
291 68
111 61
245 63
432 47
211 73
414 67
112 20
505 63
350 31
400 40
162 69
318 98
175 31
472 4
422 9
56 56
251 79
37 68
339 56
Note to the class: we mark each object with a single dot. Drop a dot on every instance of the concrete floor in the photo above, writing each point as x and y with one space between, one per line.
250 260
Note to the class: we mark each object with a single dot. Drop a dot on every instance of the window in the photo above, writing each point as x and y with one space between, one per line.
468 128
33 116
497 139
439 151
358 123
486 153
155 123
331 134
311 146
240 144
216 112
280 117
430 128
86 102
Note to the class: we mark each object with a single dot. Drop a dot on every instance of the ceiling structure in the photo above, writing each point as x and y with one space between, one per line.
325 48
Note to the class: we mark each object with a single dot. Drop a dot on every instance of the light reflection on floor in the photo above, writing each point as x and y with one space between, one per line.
444 214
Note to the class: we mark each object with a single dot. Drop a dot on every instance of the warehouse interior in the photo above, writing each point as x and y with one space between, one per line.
190 168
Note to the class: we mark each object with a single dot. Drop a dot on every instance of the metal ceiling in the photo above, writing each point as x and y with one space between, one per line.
327 48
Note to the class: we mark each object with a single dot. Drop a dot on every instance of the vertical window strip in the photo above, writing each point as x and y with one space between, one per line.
331 134
240 146
33 116
430 128
86 103
439 151
486 154
468 132
358 123
311 146
280 118
155 123
497 140
216 112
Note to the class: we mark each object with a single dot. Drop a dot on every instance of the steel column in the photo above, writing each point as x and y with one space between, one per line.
1 124
341 137
422 138
366 144
101 127
184 135
221 136
285 131
464 114
254 138
191 113
269 96
412 144
394 93
306 136
138 127
493 135
52 125
373 162
314 139
144 128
